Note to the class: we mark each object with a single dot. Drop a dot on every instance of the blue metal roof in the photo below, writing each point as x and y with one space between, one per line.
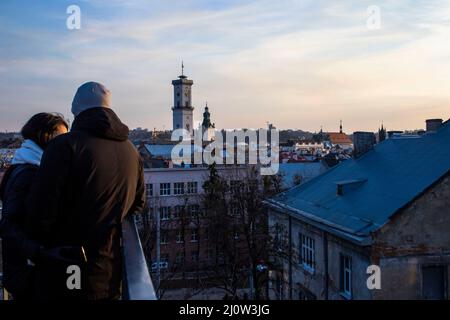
306 170
392 174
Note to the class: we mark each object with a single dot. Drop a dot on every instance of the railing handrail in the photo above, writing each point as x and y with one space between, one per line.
137 281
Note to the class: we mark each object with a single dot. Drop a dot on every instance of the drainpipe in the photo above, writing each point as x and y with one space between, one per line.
325 254
290 257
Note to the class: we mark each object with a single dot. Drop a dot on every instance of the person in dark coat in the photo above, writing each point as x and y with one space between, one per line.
89 180
19 251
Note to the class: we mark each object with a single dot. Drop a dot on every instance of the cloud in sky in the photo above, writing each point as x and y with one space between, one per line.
296 63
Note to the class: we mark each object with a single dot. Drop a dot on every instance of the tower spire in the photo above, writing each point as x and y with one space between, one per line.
340 127
182 67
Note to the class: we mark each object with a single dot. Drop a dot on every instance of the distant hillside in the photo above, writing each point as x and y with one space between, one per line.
294 135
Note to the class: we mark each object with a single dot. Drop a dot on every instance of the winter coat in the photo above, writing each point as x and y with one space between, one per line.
89 180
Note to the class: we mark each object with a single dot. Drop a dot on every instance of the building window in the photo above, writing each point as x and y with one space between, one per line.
236 235
194 235
164 237
434 282
279 238
194 210
164 189
147 218
178 188
163 263
192 187
180 236
149 190
177 212
307 252
179 258
165 213
346 276
195 256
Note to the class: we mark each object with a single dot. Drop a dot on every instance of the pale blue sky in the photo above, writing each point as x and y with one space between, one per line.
296 63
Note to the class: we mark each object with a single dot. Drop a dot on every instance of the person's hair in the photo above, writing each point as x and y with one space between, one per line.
41 127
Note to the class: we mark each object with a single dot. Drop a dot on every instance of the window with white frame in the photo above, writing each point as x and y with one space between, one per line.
164 189
149 190
180 236
346 276
165 213
178 188
234 209
194 210
194 235
192 187
307 252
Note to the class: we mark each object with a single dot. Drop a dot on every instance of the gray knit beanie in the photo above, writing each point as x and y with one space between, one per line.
91 95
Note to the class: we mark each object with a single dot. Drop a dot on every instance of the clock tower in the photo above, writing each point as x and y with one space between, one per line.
182 108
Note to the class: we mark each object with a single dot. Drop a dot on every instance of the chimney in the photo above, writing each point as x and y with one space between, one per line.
363 142
433 124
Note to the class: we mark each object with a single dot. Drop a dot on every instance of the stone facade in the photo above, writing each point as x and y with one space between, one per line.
412 251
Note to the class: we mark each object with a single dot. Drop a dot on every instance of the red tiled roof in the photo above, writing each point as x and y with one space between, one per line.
339 138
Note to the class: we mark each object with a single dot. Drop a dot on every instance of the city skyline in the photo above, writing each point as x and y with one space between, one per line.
296 64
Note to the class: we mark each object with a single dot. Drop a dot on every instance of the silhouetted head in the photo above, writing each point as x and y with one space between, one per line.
43 127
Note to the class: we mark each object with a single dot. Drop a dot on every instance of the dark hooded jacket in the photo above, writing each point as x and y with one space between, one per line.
89 180
17 248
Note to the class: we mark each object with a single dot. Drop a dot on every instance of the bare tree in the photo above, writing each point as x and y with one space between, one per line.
238 221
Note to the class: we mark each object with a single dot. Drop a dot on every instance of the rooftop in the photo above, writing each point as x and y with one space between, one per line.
391 175
339 138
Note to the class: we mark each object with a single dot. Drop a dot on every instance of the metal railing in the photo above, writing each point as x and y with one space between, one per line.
137 283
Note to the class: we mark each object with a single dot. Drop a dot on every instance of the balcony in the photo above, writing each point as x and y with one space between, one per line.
137 283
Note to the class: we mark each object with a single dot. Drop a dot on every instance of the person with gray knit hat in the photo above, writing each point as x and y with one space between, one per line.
89 181
91 95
